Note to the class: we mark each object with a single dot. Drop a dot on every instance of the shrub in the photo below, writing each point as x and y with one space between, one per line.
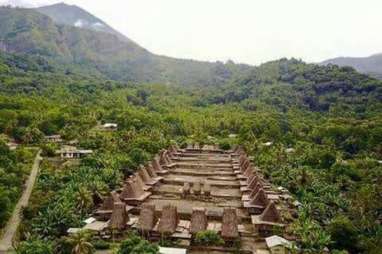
101 245
208 238
136 245
34 247
225 145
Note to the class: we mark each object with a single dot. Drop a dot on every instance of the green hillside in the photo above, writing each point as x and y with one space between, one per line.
98 53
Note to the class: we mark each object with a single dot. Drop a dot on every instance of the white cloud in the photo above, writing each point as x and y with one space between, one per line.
251 31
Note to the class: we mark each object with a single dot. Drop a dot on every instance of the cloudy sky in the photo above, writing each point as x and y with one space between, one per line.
248 31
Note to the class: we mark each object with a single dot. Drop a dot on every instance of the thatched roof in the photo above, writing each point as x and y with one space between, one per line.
139 181
147 219
255 190
108 202
169 220
254 182
143 173
173 149
271 214
198 220
245 165
248 171
260 199
252 175
163 157
131 189
156 165
230 223
151 171
119 217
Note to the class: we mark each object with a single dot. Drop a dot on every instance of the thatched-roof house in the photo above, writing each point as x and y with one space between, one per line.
151 171
255 180
157 166
198 220
147 179
137 178
271 214
147 219
119 217
132 192
169 220
260 199
268 220
230 224
255 190
108 202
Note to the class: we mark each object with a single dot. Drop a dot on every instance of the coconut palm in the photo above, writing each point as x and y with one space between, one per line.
80 242
84 199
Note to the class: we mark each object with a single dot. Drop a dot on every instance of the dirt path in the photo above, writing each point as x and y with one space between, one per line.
14 221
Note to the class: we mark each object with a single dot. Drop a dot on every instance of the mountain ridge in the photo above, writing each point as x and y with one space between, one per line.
371 65
72 15
31 32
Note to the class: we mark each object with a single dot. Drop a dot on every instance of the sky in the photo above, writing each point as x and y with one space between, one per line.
245 31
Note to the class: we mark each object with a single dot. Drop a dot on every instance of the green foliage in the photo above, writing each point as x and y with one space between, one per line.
80 242
34 246
136 245
101 245
209 238
225 145
330 116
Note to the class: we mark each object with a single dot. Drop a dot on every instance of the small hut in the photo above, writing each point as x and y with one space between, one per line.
147 179
169 220
119 217
147 219
157 166
268 220
132 193
230 224
151 171
140 182
258 203
106 208
198 220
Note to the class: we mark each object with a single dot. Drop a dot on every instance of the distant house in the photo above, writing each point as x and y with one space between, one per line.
110 126
53 138
278 245
12 145
165 250
71 152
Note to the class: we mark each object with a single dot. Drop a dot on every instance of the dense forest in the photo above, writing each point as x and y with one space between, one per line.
312 129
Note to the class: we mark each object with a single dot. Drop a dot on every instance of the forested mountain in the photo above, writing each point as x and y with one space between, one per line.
71 15
370 65
89 52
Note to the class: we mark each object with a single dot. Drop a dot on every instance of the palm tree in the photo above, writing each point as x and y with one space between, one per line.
84 199
80 242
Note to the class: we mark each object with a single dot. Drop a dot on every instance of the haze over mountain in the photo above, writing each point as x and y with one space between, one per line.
371 65
72 15
80 42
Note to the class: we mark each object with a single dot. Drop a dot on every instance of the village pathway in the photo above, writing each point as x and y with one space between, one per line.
14 222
